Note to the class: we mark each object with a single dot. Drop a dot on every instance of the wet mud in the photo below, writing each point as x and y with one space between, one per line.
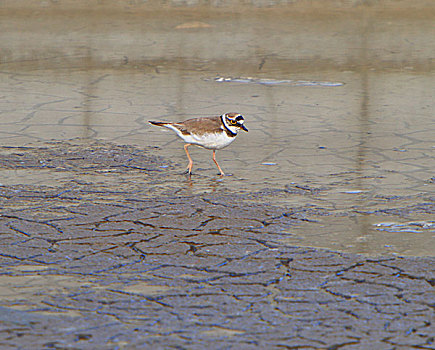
125 254
322 238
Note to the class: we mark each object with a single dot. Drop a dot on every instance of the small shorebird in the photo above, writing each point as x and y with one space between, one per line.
209 132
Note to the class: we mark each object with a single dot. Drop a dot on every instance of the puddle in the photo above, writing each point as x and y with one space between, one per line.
407 227
16 288
345 126
20 281
146 289
223 332
32 177
365 234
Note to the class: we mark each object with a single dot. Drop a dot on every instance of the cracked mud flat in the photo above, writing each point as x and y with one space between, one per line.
104 245
148 263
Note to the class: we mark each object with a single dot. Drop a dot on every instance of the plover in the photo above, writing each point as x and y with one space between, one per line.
209 132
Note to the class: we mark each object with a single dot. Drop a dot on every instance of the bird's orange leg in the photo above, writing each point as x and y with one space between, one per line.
190 165
214 158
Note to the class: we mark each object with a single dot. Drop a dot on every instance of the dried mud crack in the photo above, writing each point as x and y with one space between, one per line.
115 253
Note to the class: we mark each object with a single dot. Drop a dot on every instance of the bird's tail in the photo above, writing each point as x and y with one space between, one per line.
158 123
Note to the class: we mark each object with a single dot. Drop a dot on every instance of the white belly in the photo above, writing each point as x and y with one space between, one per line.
210 141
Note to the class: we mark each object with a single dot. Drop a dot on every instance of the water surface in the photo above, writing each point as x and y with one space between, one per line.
339 106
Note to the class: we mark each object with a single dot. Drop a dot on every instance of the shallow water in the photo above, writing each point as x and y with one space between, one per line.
349 115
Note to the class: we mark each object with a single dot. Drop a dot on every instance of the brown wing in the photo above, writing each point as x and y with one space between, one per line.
201 125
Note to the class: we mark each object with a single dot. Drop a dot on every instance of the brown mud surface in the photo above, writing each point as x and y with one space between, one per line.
321 239
126 255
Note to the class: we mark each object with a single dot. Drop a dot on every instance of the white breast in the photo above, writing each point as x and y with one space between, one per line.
210 141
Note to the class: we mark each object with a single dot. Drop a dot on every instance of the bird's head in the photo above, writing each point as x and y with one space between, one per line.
234 122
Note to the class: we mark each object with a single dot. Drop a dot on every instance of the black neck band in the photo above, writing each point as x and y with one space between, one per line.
227 130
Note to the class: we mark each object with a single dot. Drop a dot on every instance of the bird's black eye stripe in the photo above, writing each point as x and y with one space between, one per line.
239 117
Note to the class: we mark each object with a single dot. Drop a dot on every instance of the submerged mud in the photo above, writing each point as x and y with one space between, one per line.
122 251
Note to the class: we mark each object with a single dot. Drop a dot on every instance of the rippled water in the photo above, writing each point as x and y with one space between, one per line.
339 104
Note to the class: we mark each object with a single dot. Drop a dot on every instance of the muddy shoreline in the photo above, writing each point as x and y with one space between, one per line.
89 265
321 239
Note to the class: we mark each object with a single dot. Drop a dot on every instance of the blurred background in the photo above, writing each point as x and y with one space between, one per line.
337 95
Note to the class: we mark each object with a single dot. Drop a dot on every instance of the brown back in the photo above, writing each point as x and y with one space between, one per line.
200 125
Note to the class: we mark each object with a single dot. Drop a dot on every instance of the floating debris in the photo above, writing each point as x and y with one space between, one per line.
251 80
353 192
411 227
268 163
